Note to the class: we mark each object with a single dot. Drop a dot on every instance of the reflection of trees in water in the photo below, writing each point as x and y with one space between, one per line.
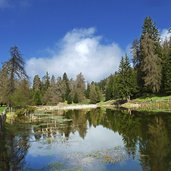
151 133
157 148
13 148
141 132
55 125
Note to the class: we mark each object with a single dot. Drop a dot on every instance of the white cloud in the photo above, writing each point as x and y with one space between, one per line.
165 35
79 51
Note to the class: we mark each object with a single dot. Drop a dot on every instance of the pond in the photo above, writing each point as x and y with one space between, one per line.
95 140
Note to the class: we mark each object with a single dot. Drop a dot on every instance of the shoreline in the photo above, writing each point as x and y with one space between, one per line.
67 107
158 106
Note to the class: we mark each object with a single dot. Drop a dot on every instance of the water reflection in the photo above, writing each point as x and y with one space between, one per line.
66 137
14 145
156 150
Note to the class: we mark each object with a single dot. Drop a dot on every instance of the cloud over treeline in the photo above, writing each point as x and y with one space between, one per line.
80 50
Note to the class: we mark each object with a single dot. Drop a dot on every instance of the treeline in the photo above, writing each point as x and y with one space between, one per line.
149 72
53 90
15 89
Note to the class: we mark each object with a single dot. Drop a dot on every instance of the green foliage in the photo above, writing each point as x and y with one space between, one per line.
87 91
110 87
4 92
150 74
69 99
167 67
126 79
78 89
12 72
24 111
75 99
95 94
2 109
37 98
136 53
37 84
45 82
150 64
66 95
22 94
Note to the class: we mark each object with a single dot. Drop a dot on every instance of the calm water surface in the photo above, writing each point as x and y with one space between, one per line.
96 140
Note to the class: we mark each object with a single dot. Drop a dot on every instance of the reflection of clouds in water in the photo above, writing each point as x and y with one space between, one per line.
96 139
101 138
76 151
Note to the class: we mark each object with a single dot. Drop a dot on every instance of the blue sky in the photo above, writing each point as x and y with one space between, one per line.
39 28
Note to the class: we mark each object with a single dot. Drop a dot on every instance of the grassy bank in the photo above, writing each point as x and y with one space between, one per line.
106 103
153 103
152 98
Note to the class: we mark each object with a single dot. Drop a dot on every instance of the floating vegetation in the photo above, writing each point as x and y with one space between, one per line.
108 156
114 155
55 166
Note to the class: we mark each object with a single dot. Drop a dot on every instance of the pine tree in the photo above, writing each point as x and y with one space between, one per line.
167 68
54 93
150 56
126 81
109 88
37 84
115 91
87 92
52 80
46 82
37 90
95 94
37 98
15 70
4 86
136 54
79 89
137 60
22 94
66 87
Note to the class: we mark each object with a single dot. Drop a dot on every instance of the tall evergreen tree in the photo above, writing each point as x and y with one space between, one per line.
3 86
52 80
87 92
109 88
137 61
150 56
136 53
46 82
115 91
37 84
66 87
95 94
37 98
78 90
22 94
167 67
37 88
126 81
15 70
